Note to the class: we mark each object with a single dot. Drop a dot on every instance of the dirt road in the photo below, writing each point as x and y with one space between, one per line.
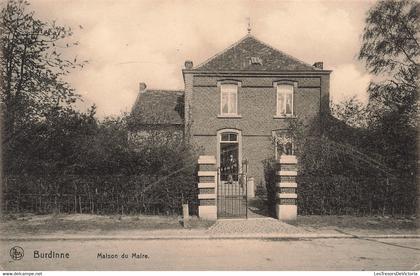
316 254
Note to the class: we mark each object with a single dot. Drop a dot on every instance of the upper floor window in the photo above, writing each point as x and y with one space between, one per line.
229 99
285 100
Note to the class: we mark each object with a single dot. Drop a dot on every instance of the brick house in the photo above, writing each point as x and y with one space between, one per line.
239 101
158 113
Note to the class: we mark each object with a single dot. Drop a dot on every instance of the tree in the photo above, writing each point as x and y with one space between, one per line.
33 92
390 49
33 66
351 111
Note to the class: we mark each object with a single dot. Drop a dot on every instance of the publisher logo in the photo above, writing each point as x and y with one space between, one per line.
16 253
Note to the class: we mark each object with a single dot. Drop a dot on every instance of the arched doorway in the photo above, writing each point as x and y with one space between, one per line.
231 188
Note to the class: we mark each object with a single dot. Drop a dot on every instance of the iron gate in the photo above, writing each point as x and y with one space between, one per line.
231 194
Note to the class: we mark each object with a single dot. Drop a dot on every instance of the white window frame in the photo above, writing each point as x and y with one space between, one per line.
278 92
228 98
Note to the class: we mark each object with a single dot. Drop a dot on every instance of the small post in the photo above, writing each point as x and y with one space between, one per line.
185 214
286 197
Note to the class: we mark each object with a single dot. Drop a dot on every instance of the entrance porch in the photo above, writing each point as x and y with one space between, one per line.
229 193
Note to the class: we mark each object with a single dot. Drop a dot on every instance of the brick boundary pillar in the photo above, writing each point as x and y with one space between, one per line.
207 185
286 197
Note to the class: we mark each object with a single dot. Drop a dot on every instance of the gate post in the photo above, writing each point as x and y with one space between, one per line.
286 197
207 185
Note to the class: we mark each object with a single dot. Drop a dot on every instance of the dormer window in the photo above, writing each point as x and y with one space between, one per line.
285 99
229 99
256 60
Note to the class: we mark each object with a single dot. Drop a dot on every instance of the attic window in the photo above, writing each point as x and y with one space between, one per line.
256 60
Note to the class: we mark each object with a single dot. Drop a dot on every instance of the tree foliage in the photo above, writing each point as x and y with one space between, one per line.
340 171
85 165
61 159
33 66
352 112
391 50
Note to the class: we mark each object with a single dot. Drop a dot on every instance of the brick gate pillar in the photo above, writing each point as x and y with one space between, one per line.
286 197
207 185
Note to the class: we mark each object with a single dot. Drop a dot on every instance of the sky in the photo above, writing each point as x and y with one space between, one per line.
131 41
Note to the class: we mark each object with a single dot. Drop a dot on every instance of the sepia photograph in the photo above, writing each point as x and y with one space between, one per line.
209 135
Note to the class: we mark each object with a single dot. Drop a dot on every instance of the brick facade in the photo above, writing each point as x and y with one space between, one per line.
257 101
256 104
256 107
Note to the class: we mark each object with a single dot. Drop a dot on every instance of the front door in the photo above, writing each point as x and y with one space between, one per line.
231 189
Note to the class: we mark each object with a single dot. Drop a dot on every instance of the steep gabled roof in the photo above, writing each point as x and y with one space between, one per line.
158 107
238 56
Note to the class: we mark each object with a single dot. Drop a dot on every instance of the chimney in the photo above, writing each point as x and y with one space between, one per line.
142 87
188 64
319 65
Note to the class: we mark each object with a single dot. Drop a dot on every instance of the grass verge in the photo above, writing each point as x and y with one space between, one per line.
75 223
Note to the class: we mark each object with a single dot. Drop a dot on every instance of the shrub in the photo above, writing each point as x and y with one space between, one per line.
101 171
270 184
337 175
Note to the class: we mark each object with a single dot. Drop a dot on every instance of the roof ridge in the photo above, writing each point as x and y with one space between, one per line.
158 107
137 101
284 53
223 51
256 41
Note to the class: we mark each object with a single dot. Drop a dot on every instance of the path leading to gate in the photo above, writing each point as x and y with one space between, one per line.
253 226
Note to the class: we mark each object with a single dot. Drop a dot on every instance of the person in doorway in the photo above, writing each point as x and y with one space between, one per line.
232 167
